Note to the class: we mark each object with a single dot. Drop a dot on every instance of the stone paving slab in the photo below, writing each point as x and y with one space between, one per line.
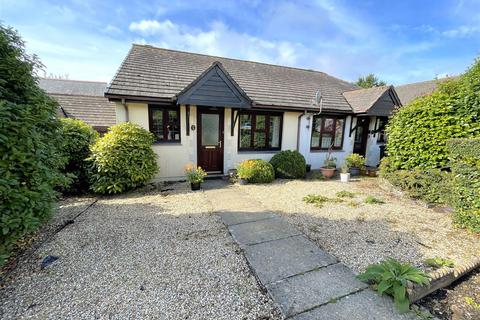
261 231
279 259
309 290
362 305
231 218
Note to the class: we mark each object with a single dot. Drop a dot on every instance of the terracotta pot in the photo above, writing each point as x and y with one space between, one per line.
328 172
195 186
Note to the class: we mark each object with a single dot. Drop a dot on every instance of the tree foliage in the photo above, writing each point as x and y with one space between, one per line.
122 159
77 138
30 157
370 81
418 132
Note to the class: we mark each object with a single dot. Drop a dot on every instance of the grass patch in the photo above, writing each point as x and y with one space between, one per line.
438 262
354 204
345 194
319 200
373 200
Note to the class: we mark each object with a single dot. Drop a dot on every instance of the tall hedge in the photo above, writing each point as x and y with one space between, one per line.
418 132
122 159
30 157
77 137
465 196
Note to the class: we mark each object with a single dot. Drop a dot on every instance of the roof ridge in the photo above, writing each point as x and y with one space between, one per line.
90 81
425 81
75 95
235 59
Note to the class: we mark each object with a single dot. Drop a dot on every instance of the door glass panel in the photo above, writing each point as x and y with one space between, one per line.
210 129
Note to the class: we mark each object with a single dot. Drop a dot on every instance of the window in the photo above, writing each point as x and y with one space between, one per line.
259 131
381 136
327 131
164 123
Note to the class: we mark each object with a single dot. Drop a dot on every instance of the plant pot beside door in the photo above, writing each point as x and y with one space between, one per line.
195 176
355 162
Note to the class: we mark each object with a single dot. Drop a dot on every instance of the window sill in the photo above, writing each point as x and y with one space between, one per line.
258 151
326 150
165 143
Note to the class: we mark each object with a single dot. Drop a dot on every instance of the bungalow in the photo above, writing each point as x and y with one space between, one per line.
217 112
83 100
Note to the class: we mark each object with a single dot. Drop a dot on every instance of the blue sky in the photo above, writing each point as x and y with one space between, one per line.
400 41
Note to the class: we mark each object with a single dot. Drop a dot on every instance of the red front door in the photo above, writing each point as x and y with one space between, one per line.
210 139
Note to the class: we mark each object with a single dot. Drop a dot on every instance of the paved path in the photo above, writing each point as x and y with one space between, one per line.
306 282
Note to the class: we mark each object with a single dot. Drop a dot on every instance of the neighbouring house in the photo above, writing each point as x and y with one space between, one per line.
217 112
409 92
82 100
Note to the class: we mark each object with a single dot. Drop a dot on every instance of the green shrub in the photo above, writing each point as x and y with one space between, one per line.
355 160
256 171
465 195
122 159
390 277
77 138
319 200
431 186
439 262
289 165
345 194
418 133
29 144
373 200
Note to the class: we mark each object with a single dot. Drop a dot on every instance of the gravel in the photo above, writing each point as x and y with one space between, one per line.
147 254
359 234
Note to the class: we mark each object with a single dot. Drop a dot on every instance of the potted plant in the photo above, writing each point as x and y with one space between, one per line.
329 165
195 176
345 174
355 162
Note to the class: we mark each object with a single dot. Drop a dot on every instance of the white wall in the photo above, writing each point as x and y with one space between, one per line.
317 157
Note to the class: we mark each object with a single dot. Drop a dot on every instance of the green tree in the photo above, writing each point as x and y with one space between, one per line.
370 81
30 157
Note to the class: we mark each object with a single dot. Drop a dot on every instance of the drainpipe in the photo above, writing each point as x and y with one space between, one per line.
125 106
298 129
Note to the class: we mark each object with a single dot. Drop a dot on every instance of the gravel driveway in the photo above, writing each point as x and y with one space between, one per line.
141 255
359 234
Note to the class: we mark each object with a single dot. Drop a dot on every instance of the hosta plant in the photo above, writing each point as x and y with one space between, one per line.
391 276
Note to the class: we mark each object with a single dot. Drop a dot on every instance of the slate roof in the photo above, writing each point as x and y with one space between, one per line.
82 100
376 101
409 92
155 73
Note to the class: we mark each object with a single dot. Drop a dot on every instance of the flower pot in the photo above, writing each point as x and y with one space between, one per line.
195 186
242 181
309 167
345 177
328 172
354 171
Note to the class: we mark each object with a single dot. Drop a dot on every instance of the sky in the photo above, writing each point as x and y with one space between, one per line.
399 41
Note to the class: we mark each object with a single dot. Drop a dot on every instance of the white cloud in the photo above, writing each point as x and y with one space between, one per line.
461 32
152 27
218 39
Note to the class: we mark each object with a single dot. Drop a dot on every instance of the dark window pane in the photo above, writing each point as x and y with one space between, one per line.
274 135
173 127
260 122
329 124
338 133
245 131
157 123
259 140
326 140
